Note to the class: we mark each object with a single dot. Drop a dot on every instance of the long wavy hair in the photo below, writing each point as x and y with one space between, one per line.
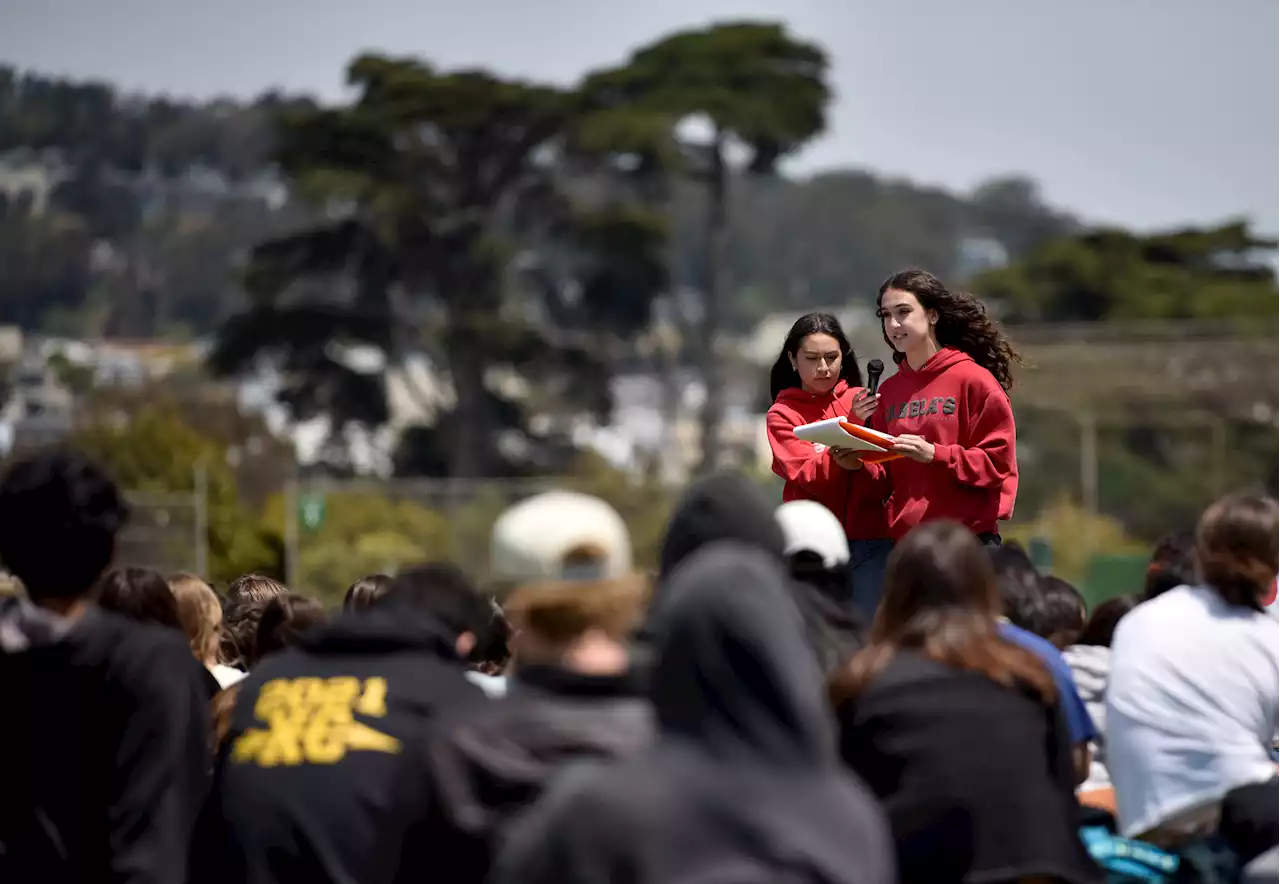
962 324
783 375
941 601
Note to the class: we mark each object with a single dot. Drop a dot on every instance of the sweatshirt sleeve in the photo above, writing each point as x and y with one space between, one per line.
988 456
796 460
162 765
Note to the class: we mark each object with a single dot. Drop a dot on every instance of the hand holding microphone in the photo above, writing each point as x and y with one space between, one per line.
864 406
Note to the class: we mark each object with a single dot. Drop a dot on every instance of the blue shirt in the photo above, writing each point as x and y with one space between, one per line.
1079 726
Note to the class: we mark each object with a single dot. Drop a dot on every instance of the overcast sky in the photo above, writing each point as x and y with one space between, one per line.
1147 113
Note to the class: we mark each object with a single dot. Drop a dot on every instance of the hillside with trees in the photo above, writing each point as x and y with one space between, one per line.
521 236
154 204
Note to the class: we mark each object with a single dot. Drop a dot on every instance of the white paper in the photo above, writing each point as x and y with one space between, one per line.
831 434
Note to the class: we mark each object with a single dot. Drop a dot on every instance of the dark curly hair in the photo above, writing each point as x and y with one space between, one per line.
962 324
59 517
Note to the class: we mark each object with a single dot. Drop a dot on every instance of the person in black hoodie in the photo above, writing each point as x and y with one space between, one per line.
729 506
572 696
104 730
324 775
742 784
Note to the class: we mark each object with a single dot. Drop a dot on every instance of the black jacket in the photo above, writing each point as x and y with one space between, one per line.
105 741
976 777
323 775
742 782
489 767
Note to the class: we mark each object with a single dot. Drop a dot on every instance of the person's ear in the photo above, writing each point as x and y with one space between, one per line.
465 644
933 317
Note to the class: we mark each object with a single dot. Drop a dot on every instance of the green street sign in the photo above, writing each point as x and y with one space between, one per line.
311 511
1040 551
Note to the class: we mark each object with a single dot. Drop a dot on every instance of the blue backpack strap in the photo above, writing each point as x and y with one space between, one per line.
1128 861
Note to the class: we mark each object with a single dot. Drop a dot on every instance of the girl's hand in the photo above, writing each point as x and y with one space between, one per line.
846 458
864 406
914 447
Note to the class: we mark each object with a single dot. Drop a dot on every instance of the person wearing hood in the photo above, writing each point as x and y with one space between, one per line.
323 777
742 783
729 506
948 405
105 735
815 378
572 696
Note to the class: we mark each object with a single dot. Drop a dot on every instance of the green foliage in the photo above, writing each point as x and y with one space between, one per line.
362 534
152 450
46 267
448 175
753 81
1076 537
1107 275
76 378
756 86
117 254
644 503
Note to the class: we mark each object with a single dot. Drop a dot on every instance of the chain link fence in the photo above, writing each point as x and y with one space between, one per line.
165 532
337 531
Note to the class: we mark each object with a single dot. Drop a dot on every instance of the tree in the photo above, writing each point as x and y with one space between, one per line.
1104 275
152 451
756 87
362 534
430 183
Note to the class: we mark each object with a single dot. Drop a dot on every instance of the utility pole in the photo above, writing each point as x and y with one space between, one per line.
201 503
1089 471
291 530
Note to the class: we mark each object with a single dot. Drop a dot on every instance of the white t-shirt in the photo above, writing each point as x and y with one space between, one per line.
226 675
1193 704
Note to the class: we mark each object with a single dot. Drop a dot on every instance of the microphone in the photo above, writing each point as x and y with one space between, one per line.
875 368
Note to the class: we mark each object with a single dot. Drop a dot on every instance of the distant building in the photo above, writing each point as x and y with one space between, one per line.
977 254
28 178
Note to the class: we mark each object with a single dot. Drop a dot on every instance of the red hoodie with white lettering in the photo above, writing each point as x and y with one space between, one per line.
957 405
810 473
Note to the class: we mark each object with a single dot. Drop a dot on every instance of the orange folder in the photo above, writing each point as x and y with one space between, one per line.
875 439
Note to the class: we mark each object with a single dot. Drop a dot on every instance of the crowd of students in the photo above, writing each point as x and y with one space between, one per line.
729 717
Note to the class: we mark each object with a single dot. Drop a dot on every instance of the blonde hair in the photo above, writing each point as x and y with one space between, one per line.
561 611
10 585
200 614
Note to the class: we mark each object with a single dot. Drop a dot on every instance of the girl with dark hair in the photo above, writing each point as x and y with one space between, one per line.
139 594
940 708
948 406
815 378
365 591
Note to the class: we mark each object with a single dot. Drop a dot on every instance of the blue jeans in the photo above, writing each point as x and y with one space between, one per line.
867 560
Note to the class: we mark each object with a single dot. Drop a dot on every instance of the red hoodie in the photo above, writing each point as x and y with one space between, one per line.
957 405
855 497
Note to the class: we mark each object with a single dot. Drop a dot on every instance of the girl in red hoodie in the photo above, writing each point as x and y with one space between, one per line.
816 377
949 406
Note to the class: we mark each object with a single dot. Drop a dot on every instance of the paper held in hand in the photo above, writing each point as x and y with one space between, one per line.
837 432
